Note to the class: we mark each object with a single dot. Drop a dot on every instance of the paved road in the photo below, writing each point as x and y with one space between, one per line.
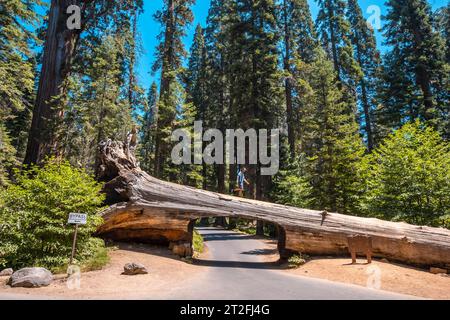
237 271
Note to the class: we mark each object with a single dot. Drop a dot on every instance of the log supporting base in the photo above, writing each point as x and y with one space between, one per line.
151 210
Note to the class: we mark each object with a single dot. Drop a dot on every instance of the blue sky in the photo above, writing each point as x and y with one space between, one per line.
149 29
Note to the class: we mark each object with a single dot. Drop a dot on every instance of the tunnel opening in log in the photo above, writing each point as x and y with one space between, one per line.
244 226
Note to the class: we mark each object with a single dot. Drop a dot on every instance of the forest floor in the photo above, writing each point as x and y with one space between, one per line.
167 273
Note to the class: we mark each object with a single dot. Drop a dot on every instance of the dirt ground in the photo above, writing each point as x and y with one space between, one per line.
392 277
165 271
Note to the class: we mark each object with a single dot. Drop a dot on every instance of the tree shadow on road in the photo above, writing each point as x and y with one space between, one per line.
237 264
261 252
226 237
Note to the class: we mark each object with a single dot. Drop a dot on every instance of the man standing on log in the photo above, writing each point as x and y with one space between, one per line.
240 181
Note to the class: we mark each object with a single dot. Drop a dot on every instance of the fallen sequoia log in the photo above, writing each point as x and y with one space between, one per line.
150 210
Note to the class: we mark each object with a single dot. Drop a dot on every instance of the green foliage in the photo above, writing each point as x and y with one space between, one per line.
369 59
98 107
331 142
408 177
247 229
292 190
7 159
147 130
16 65
16 76
291 187
296 261
299 41
415 82
34 212
442 24
96 258
335 33
198 242
174 20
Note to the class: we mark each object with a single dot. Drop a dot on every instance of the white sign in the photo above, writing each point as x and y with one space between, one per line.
77 218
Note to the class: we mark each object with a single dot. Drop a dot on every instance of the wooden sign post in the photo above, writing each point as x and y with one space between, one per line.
76 219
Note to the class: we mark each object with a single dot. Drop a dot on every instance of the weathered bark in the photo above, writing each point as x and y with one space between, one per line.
59 50
158 211
365 102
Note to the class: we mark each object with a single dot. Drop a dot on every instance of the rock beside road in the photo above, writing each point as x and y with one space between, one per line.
7 272
31 278
132 269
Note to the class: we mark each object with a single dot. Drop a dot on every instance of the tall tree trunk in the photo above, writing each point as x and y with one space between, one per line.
422 74
288 85
333 41
367 115
423 80
131 75
166 79
260 228
59 49
365 103
221 178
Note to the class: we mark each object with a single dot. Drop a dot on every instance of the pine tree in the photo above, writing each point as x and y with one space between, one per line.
7 156
396 93
418 56
443 26
16 65
254 75
59 52
369 60
175 16
299 41
17 75
147 130
197 91
335 33
291 186
442 22
103 94
243 79
99 107
186 174
195 73
221 44
332 143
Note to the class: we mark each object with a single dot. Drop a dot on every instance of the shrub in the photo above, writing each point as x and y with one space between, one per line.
34 212
296 261
198 242
408 177
292 190
7 156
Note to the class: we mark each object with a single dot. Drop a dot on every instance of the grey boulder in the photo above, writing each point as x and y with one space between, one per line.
131 269
7 272
31 278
